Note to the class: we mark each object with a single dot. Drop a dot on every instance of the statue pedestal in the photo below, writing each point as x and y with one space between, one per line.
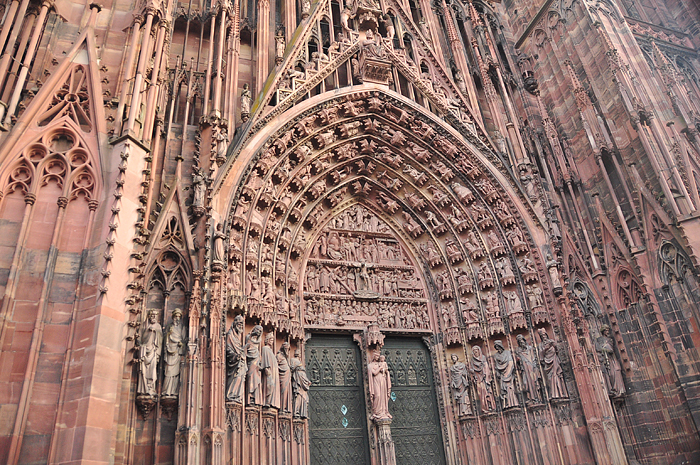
387 455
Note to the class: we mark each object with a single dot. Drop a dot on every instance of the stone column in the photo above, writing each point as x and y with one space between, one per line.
386 453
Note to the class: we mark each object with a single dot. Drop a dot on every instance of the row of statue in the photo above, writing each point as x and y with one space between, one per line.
397 315
480 374
348 280
255 375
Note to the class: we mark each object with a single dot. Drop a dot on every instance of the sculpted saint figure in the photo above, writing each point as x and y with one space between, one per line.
235 362
200 186
219 237
300 386
151 345
552 366
505 371
174 350
254 392
285 378
552 267
246 100
481 376
459 383
379 387
270 374
612 372
527 361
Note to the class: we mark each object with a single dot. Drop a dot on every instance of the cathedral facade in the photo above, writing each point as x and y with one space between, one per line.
315 232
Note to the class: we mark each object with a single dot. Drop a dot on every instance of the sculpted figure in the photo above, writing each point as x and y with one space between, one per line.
236 366
270 374
285 378
481 376
459 383
379 387
305 8
280 45
300 386
254 391
553 271
219 237
552 366
612 371
505 371
200 186
344 17
527 361
174 350
151 345
246 99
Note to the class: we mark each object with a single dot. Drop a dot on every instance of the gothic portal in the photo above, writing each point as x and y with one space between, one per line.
320 232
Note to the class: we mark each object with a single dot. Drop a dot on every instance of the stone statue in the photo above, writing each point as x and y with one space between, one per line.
246 101
285 378
527 361
270 374
236 366
305 8
459 383
280 45
552 267
150 347
219 236
199 186
344 17
612 371
379 387
481 377
174 350
389 25
505 372
254 392
300 386
552 366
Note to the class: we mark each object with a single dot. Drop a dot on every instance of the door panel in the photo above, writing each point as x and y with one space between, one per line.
416 424
337 421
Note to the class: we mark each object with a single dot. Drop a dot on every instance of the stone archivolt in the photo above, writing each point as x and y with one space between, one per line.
307 182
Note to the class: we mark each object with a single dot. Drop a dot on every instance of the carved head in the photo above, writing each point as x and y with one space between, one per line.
476 351
605 330
521 340
543 333
498 345
152 316
238 323
177 315
257 331
269 339
454 358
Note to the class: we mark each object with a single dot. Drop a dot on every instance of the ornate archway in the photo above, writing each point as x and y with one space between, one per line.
363 213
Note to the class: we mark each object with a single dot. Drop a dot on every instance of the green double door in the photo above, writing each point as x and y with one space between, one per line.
338 427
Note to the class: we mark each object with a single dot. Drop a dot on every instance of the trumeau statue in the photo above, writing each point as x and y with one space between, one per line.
612 371
379 387
459 384
174 350
150 347
254 393
505 372
552 366
270 374
481 377
300 386
236 367
527 361
285 374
